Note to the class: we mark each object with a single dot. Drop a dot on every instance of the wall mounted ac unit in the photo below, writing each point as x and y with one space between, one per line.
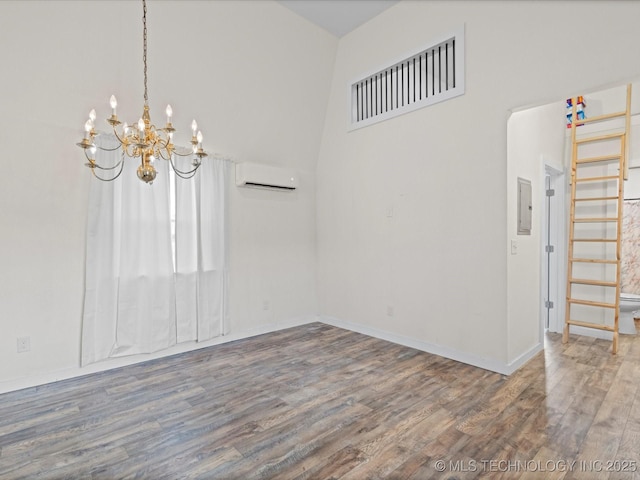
265 176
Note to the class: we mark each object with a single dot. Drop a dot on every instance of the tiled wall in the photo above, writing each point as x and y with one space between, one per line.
630 264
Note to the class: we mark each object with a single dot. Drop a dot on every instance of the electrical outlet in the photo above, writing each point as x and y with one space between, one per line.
266 305
24 344
389 311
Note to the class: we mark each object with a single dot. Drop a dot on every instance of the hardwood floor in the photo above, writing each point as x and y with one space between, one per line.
319 402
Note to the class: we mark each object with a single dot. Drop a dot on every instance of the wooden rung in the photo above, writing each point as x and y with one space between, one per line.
597 179
594 260
599 118
595 199
601 158
599 138
591 303
595 219
591 325
600 283
594 240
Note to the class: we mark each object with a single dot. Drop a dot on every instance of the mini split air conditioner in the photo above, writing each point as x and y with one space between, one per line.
265 176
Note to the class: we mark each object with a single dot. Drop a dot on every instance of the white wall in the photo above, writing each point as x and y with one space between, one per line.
254 75
535 137
441 261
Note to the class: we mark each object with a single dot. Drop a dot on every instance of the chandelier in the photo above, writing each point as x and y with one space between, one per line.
141 140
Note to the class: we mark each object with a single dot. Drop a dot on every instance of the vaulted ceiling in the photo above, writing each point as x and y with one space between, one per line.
338 17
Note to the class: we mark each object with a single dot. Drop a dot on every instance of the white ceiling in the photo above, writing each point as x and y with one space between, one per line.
338 17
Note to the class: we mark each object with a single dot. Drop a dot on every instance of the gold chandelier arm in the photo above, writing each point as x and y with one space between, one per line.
123 141
131 151
95 165
92 163
108 149
160 151
183 154
162 142
121 163
184 174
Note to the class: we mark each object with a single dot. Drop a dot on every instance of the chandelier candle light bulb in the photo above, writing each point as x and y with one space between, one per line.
145 142
194 128
87 129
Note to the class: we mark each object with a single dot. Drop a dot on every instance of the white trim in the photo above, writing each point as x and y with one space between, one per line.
68 373
544 270
523 358
559 241
440 350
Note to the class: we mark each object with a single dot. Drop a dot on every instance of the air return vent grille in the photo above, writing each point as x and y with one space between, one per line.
434 74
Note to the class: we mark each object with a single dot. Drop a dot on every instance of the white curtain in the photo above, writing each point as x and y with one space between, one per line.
134 301
200 252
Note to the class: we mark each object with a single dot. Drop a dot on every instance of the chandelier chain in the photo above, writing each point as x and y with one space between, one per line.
144 49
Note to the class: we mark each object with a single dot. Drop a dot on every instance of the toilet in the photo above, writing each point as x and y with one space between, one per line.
629 303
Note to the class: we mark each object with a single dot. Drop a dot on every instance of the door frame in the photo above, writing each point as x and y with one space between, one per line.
553 265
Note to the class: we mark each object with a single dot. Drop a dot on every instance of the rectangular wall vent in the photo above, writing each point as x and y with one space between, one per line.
434 74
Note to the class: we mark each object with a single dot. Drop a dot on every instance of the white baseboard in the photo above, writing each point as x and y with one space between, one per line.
524 358
49 377
440 350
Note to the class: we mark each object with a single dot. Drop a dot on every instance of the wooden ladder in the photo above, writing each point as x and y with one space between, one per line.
595 228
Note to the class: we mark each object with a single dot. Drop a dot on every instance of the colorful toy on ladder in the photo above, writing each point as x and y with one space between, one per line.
580 105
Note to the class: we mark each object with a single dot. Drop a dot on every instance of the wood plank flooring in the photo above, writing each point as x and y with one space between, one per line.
319 402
